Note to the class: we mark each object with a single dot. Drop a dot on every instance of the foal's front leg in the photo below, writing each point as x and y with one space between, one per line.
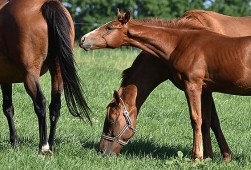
193 95
8 110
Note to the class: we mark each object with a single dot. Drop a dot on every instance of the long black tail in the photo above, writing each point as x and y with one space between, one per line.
59 37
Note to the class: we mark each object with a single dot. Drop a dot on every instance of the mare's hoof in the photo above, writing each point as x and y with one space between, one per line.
14 142
227 158
45 150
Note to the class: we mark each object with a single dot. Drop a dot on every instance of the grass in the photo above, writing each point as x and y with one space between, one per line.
164 134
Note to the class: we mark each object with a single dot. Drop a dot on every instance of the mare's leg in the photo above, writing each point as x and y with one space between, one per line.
193 95
206 103
55 105
33 88
215 125
8 110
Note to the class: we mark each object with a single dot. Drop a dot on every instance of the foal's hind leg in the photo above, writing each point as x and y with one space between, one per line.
215 125
32 87
210 119
8 110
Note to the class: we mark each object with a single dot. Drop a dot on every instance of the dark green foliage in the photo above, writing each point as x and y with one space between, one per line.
232 7
90 14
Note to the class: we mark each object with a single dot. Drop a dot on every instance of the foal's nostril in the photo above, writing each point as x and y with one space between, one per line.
83 39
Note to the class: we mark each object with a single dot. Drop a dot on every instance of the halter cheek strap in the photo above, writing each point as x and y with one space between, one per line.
127 126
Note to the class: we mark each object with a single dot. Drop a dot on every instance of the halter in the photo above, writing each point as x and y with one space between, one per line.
127 126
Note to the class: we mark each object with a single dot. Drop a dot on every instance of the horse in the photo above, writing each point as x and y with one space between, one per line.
33 42
200 61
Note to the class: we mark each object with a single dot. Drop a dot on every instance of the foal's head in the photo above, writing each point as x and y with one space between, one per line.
120 32
110 35
119 125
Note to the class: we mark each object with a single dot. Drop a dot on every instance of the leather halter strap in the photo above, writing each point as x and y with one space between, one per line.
127 126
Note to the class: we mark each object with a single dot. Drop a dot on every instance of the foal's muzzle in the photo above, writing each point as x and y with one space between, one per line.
84 45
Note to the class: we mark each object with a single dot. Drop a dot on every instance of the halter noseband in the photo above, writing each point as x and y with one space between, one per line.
127 126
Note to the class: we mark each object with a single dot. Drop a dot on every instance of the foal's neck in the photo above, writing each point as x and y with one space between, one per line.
159 41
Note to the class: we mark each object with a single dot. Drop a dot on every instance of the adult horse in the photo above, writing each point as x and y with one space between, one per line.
37 36
223 66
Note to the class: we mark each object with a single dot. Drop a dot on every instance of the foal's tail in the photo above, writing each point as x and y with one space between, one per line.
60 44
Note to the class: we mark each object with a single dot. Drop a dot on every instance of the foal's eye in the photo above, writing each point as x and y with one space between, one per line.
111 121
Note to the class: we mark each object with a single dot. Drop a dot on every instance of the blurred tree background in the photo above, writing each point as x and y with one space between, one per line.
90 14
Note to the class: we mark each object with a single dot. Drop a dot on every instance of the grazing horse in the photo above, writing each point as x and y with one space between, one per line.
37 36
200 61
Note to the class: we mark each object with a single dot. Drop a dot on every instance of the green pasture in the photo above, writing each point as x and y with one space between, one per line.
164 134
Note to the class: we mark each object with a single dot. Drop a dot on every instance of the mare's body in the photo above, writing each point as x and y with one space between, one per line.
186 53
37 36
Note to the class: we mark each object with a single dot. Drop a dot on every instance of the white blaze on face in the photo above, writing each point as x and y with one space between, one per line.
89 33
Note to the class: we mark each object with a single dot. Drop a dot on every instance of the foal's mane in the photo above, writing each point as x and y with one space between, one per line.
181 23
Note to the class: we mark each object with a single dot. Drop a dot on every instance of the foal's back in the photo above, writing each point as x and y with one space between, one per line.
214 46
222 62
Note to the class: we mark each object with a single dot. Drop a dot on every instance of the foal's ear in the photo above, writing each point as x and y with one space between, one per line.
124 18
116 97
119 15
127 16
